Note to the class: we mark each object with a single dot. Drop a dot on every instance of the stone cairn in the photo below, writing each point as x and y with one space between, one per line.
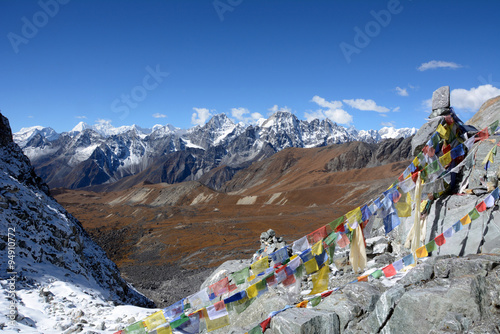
269 243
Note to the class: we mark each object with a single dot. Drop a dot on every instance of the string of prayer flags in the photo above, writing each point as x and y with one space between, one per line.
256 330
300 245
365 213
449 232
320 280
165 329
322 258
234 298
444 131
154 320
260 265
306 255
408 260
493 127
482 135
440 240
403 207
473 214
445 159
265 324
294 263
174 310
181 319
191 326
241 305
389 271
252 291
217 310
317 235
353 218
330 239
302 304
290 279
391 221
489 201
457 151
421 252
458 225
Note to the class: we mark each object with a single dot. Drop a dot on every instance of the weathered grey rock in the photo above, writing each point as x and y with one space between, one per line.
304 321
482 235
478 177
424 134
419 274
441 98
487 114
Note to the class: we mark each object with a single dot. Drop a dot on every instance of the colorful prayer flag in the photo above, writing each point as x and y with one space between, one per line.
440 240
315 301
320 280
391 221
493 127
294 263
306 255
337 222
173 310
154 320
458 225
489 201
321 258
256 330
398 265
353 217
389 271
214 324
445 159
240 276
300 245
260 265
343 241
136 328
265 324
457 151
495 193
403 207
449 232
302 304
465 220
444 131
481 206
408 260
317 248
421 252
474 214
377 274
311 266
317 235
252 291
431 246
280 255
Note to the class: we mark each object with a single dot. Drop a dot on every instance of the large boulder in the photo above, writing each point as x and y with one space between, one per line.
487 114
441 101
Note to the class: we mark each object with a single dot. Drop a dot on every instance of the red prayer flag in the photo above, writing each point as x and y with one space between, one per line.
220 287
289 280
440 240
414 176
219 305
271 280
448 119
401 178
326 294
481 206
265 324
317 235
340 228
482 135
389 270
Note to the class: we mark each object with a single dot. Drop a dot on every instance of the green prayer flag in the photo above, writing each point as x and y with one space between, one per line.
431 246
299 272
433 167
241 276
261 285
493 126
331 252
336 222
136 328
315 301
176 323
286 261
377 274
242 304
494 150
474 214
256 330
420 158
331 239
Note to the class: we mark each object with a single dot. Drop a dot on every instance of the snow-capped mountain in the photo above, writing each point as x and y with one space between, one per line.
49 246
99 154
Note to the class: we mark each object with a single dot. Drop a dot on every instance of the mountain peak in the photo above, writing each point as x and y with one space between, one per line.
80 127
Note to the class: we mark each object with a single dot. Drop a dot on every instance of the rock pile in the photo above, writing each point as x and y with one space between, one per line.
269 243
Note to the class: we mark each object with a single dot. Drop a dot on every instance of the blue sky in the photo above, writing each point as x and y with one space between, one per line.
361 63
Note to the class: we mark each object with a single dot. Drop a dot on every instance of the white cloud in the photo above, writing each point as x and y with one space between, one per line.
333 111
275 108
81 117
472 99
396 109
103 121
368 105
325 104
427 104
244 115
433 64
391 124
402 91
158 115
30 116
200 116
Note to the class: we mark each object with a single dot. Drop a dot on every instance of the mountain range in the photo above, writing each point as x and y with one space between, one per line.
102 154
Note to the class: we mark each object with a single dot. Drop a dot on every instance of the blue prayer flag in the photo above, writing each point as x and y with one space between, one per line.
391 221
408 259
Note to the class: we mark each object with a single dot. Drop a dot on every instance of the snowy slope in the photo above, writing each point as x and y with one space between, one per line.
48 248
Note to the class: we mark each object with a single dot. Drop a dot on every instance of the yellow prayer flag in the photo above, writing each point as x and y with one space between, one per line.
260 265
416 162
215 324
317 248
302 304
445 159
252 291
421 252
155 320
251 278
444 131
465 220
403 207
423 204
489 157
164 330
354 216
311 266
320 280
